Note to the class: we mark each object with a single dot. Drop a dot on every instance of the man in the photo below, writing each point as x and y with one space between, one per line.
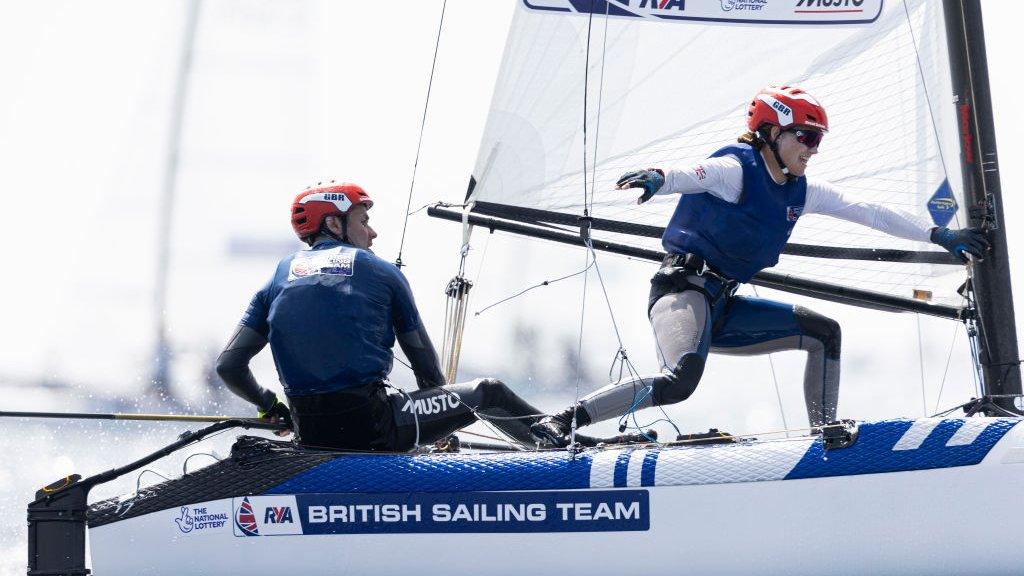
331 314
735 213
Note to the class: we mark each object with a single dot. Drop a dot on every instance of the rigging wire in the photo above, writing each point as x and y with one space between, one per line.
920 363
579 353
588 199
419 142
927 97
949 357
775 380
525 290
972 330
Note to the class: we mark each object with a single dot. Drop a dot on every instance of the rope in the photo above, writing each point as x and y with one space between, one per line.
419 142
525 290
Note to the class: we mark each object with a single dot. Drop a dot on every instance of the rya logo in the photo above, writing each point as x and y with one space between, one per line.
678 5
278 515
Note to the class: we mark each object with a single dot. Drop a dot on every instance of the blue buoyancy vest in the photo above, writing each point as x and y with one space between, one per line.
738 240
330 314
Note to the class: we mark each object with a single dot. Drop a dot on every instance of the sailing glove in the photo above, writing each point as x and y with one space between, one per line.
278 412
962 242
651 180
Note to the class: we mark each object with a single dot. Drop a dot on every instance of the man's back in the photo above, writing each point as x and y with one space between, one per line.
330 314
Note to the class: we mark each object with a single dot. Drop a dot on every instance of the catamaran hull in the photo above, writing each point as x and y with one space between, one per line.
655 519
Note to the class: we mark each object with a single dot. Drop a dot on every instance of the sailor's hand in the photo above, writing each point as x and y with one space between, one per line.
962 242
651 180
279 412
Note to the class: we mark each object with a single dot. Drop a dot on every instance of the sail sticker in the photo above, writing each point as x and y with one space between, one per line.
738 11
473 512
942 205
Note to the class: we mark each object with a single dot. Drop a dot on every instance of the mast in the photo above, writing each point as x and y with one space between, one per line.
997 337
161 379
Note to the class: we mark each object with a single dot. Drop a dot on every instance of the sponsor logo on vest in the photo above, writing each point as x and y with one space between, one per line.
432 405
752 5
794 212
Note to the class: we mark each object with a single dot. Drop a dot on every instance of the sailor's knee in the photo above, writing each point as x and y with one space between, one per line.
679 384
492 390
821 328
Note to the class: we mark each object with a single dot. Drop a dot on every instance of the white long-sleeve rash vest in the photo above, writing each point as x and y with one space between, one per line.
723 177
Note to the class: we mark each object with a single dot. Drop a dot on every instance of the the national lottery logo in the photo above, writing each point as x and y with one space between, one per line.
197 518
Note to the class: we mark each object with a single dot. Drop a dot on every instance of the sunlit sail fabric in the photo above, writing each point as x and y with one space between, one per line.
667 83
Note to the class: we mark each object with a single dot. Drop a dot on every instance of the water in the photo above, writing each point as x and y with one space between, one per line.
38 452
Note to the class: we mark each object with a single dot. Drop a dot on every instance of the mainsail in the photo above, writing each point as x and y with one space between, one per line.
668 82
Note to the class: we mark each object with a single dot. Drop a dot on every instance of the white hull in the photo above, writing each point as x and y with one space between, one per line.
915 522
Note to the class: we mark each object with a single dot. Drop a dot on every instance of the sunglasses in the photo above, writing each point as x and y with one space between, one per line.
809 138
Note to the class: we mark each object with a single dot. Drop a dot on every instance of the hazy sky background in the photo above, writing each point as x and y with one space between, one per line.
284 94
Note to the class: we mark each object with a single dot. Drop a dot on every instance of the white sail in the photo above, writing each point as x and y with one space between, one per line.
669 84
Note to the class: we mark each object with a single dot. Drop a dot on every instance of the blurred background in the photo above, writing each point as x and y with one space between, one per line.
133 242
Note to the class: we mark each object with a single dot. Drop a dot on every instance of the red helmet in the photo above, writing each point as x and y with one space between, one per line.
315 203
785 106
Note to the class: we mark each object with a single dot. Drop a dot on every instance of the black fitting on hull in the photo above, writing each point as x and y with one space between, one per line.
56 529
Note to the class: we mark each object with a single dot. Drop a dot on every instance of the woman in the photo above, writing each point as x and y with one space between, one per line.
736 212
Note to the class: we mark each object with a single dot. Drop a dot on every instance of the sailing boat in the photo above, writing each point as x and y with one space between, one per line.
868 497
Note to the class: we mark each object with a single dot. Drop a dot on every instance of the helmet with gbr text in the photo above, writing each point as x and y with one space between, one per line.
785 106
315 203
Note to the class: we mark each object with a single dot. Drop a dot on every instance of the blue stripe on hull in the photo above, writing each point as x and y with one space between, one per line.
890 446
874 452
450 473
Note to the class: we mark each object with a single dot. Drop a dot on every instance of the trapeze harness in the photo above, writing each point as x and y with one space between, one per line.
331 314
713 245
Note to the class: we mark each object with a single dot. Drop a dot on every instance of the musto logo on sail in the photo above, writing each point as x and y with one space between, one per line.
830 5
